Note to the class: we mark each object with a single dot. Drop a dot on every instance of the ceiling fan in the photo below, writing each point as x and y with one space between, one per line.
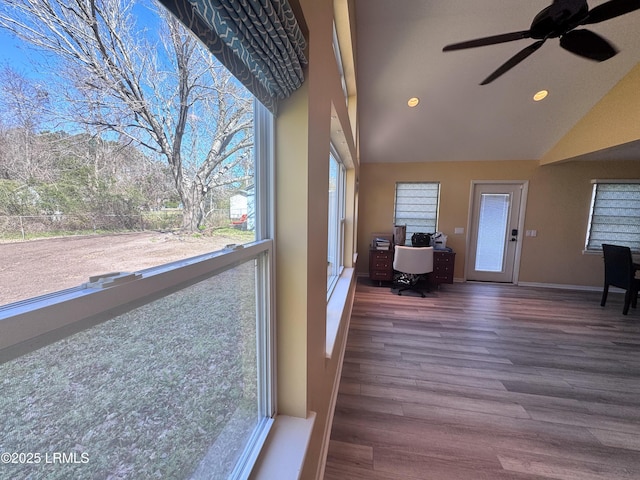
560 19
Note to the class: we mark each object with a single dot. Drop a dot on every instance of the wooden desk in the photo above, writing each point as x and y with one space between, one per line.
381 266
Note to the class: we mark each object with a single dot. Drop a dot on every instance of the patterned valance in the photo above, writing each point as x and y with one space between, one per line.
258 41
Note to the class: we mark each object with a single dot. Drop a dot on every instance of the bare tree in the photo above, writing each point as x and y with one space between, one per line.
168 94
24 105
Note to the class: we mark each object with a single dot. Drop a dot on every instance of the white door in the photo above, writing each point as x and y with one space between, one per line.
494 232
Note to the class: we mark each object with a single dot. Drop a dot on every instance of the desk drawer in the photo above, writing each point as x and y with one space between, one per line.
381 265
381 275
443 257
443 269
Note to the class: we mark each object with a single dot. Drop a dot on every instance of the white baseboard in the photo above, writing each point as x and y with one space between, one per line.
565 286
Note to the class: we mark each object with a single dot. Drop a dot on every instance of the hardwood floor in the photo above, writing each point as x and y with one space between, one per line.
481 381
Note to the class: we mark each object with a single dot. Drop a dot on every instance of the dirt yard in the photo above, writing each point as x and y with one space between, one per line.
36 267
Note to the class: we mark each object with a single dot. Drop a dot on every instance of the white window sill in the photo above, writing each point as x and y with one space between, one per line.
283 454
336 308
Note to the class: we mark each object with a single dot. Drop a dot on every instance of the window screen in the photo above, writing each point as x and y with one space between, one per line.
417 207
615 215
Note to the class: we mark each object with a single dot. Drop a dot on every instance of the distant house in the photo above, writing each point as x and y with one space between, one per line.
238 205
242 207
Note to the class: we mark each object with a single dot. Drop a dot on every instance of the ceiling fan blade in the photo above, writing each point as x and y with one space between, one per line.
481 42
611 9
513 61
588 45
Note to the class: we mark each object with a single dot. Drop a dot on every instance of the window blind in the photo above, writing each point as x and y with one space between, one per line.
417 207
258 41
615 216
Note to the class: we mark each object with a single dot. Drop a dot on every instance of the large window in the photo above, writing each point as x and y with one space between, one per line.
614 215
163 174
335 249
132 128
416 207
178 355
338 55
177 387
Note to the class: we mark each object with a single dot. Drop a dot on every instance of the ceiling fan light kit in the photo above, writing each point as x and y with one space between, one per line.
559 20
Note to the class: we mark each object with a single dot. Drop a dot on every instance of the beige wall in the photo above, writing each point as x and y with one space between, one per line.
557 207
307 377
613 121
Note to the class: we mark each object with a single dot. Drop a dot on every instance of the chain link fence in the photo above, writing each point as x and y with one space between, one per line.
32 226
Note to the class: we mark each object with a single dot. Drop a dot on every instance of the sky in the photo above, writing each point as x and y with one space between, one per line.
13 52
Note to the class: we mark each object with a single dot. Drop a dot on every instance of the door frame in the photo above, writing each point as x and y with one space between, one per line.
521 214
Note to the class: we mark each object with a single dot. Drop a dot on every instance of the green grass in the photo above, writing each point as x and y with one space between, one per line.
243 236
145 394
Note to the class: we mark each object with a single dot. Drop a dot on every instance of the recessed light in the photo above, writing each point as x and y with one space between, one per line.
413 101
541 95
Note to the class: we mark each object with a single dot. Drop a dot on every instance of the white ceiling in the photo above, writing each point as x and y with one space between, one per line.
399 55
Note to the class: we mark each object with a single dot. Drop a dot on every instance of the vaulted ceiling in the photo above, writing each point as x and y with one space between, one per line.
399 55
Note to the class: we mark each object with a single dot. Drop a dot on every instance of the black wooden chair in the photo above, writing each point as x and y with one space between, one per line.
619 271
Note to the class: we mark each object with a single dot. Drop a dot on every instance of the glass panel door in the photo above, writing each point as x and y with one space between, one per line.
492 227
493 245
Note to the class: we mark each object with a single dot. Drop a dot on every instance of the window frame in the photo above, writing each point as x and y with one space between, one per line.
435 211
338 54
33 323
335 245
590 246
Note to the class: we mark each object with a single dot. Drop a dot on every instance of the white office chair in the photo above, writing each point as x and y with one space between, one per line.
414 263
